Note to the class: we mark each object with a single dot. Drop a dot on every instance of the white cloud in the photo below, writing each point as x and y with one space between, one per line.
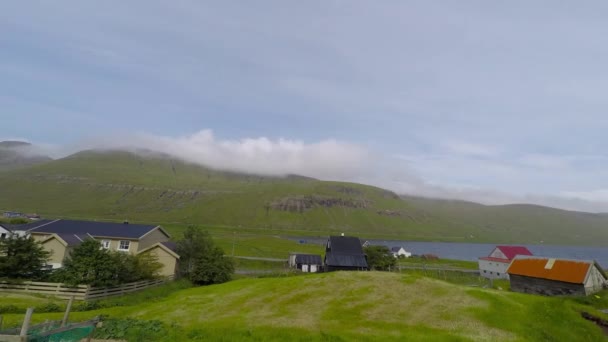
326 159
332 159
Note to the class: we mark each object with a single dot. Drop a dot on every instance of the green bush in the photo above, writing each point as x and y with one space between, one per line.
48 307
89 264
201 261
4 309
131 329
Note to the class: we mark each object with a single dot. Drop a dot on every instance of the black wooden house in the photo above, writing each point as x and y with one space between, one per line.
344 253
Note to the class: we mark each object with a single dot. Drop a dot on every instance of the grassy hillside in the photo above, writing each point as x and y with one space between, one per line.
345 306
145 187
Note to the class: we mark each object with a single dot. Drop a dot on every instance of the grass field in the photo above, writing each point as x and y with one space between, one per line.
345 306
444 263
153 189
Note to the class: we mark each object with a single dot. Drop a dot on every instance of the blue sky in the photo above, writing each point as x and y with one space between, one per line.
486 101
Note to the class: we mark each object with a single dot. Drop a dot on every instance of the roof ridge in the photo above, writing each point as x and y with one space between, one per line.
44 224
521 256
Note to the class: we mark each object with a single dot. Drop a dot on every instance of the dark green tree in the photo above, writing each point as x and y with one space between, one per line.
136 267
380 258
201 261
89 264
22 258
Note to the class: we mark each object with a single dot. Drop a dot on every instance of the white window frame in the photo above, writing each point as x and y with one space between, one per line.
120 244
105 244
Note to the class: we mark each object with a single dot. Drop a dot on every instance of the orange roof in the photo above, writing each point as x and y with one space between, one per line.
569 271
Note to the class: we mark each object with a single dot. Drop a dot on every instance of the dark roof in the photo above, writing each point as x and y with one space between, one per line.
104 229
345 251
73 239
170 244
345 260
396 249
26 226
345 244
309 259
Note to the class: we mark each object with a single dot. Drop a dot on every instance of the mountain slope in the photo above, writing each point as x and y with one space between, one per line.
156 188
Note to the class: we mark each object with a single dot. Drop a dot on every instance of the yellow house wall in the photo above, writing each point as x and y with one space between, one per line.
57 249
169 261
114 243
153 237
39 237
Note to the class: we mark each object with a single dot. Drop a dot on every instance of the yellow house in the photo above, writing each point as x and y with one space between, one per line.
61 236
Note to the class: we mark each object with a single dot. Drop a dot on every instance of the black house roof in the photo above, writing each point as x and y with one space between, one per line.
308 259
103 229
344 245
345 251
27 226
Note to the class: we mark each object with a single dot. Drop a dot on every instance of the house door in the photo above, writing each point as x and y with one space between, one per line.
304 268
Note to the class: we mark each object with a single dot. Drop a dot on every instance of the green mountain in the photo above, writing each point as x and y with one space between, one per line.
151 187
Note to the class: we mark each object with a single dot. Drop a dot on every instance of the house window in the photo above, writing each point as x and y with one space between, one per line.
105 244
124 245
2 236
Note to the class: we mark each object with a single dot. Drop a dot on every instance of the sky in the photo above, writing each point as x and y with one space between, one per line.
494 102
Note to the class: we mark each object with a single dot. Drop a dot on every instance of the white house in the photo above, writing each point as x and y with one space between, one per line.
4 232
20 230
495 265
399 251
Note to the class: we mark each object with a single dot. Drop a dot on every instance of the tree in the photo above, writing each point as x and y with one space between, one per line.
90 264
136 267
22 258
201 261
380 258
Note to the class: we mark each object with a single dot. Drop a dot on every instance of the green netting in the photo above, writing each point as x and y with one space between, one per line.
71 335
44 332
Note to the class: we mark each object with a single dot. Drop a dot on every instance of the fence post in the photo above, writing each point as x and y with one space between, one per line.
26 324
67 312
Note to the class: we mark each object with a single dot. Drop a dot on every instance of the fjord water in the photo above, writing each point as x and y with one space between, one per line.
472 251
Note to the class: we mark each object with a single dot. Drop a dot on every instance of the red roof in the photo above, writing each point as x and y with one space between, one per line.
569 271
512 251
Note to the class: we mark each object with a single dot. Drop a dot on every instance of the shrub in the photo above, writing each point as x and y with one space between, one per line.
89 264
380 258
201 261
49 307
130 329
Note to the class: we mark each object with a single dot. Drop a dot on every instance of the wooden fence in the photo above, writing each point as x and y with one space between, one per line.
80 292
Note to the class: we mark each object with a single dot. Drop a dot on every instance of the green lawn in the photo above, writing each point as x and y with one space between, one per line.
346 306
